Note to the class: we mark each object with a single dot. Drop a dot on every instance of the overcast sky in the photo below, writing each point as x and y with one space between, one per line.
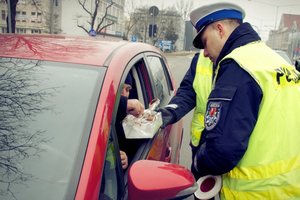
260 13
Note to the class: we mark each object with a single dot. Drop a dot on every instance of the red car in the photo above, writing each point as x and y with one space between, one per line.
59 100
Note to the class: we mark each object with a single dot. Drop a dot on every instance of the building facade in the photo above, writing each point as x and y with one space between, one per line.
74 17
109 12
34 17
165 28
287 36
64 16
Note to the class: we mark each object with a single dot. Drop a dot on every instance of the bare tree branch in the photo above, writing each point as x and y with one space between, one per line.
94 15
20 102
184 7
80 26
84 8
98 29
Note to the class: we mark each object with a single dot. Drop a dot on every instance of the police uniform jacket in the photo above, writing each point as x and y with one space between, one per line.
230 138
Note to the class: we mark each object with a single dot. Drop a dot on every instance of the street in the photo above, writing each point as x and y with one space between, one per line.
179 64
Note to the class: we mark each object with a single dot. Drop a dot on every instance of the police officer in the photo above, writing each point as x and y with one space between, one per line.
251 133
192 94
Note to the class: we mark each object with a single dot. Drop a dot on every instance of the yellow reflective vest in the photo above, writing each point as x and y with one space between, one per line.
270 168
202 86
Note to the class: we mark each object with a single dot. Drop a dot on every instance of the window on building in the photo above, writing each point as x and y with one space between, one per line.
4 30
3 15
35 31
21 16
21 30
39 17
55 2
32 13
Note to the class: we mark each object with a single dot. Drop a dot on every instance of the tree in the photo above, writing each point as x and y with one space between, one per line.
170 33
50 17
21 99
140 28
168 25
94 15
132 18
184 7
167 22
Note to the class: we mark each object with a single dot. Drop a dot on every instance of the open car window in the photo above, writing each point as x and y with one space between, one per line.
150 80
162 82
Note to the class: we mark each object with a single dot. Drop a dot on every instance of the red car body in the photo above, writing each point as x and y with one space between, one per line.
115 59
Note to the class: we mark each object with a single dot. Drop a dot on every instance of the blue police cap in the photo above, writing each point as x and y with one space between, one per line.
205 15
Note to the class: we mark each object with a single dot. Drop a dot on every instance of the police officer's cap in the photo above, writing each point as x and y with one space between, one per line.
205 15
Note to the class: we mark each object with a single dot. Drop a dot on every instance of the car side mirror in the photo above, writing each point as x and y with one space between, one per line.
149 179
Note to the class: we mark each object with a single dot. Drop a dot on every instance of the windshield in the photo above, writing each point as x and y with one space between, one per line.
45 116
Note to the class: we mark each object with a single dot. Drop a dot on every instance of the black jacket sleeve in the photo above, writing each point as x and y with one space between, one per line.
185 97
122 109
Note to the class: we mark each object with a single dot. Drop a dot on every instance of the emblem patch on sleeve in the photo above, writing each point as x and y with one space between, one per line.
212 115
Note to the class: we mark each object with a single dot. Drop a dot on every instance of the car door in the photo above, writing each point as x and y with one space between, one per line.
151 80
171 136
114 179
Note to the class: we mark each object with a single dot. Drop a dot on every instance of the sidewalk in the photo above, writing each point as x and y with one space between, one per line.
180 53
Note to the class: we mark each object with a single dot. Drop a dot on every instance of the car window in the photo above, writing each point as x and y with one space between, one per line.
110 184
144 81
142 88
45 117
160 79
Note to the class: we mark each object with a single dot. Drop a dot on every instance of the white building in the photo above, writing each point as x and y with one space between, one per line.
74 15
64 16
41 17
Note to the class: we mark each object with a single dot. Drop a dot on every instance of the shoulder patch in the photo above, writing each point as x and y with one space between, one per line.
212 115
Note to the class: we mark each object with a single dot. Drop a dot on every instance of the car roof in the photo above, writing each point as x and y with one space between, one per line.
72 49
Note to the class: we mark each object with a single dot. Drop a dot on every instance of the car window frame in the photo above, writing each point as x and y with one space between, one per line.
166 74
141 80
146 93
163 135
121 189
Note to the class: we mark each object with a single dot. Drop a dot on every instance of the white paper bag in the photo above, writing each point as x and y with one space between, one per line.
144 126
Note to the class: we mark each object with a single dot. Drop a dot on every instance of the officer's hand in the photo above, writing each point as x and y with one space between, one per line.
135 107
167 116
